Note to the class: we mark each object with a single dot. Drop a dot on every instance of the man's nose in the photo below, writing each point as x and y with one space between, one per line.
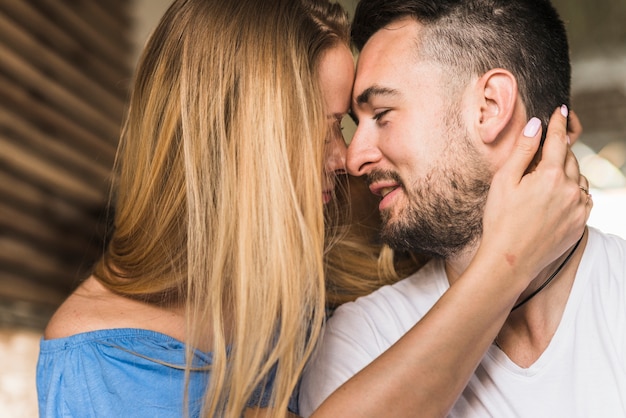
362 153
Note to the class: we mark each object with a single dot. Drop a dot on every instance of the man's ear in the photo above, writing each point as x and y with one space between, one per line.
496 95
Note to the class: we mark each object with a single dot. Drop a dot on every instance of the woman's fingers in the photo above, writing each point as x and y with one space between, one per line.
547 207
555 147
522 155
574 127
583 185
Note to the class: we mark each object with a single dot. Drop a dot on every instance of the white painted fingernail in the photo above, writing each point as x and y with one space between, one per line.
564 111
532 127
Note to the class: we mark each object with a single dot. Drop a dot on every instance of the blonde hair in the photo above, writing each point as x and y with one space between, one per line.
218 186
356 262
218 190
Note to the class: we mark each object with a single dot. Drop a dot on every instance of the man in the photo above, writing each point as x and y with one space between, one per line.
442 87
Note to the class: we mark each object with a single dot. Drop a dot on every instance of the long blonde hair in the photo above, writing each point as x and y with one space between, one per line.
218 186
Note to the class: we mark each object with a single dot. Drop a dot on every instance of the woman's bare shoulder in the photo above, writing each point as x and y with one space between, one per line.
93 307
81 311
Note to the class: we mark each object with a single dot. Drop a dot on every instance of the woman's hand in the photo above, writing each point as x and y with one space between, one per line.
546 209
574 127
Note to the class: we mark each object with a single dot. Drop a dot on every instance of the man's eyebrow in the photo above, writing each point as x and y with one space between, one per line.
374 91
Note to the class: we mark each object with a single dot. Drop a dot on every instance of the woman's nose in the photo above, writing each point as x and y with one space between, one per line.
336 155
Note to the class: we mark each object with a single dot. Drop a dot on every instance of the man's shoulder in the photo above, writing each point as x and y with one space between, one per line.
359 331
603 244
602 269
393 308
429 280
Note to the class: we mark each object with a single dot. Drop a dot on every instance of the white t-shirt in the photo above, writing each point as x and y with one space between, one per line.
582 373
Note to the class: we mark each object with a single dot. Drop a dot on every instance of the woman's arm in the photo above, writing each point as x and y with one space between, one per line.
427 369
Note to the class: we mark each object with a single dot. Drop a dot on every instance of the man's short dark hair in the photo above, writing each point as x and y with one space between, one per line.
470 37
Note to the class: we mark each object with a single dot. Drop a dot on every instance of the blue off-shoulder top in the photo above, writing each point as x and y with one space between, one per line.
122 373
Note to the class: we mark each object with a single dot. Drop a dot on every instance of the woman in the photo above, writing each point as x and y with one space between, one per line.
210 295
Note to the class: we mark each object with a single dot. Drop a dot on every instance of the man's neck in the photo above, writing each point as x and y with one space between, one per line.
529 329
457 264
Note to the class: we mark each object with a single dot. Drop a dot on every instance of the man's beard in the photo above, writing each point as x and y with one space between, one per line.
443 215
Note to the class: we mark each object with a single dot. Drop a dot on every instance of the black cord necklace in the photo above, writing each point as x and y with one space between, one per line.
552 276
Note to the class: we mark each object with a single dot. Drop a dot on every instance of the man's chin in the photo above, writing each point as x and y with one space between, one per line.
396 235
421 239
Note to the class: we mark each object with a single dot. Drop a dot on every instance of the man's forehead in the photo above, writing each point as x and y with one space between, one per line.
385 53
401 33
393 44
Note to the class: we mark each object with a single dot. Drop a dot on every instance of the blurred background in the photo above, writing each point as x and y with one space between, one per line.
65 67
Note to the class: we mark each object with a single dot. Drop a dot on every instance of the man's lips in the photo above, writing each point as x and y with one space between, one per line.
383 189
386 190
